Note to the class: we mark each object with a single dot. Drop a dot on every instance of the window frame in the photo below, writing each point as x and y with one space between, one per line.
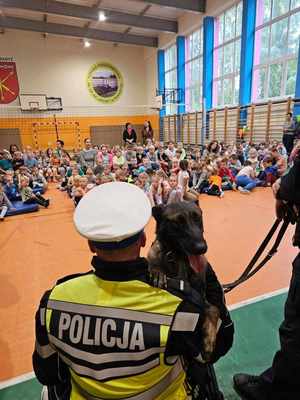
284 60
232 76
171 108
189 61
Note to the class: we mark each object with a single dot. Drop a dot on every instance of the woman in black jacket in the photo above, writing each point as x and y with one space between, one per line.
129 134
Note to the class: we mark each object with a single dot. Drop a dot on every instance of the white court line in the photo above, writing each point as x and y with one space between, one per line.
258 298
16 380
31 375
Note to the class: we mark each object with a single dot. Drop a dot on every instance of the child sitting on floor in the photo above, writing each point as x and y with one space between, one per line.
118 159
28 197
38 179
80 190
90 176
246 178
5 204
143 178
155 192
269 174
175 192
228 180
11 189
234 164
183 182
215 184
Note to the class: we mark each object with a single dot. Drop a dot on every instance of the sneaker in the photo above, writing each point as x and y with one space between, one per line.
242 190
249 387
221 195
47 202
1 218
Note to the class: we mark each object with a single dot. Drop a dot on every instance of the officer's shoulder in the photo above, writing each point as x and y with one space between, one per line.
72 276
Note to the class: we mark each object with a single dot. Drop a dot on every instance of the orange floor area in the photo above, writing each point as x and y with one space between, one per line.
36 249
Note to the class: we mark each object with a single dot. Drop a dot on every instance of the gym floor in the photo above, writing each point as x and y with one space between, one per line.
36 249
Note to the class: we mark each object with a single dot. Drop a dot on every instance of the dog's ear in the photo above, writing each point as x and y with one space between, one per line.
157 213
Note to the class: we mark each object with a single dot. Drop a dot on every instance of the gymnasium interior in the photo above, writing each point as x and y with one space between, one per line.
217 79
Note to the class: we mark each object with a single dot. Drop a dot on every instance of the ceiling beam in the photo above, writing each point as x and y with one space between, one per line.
189 5
74 31
91 13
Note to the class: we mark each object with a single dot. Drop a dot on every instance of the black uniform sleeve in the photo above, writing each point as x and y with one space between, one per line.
290 184
48 367
215 296
214 291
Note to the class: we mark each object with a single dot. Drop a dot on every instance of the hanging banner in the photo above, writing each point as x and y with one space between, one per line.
105 82
9 84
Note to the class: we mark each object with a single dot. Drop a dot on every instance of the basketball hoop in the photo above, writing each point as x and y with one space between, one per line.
34 106
34 109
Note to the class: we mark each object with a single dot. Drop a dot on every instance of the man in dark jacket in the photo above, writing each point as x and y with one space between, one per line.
281 381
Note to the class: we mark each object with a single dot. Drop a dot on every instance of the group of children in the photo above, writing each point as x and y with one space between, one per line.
21 179
165 173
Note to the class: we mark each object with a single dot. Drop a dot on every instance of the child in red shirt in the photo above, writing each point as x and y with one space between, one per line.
228 179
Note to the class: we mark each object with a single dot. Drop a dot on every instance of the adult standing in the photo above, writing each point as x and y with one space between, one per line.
59 151
129 134
147 132
281 380
88 156
13 148
289 129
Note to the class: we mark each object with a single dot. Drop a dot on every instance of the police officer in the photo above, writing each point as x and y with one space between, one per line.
104 334
282 380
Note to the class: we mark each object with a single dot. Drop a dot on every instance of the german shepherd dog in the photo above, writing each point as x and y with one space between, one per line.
178 253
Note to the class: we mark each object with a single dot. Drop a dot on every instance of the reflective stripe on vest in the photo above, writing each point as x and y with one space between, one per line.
104 358
44 351
110 312
109 373
149 394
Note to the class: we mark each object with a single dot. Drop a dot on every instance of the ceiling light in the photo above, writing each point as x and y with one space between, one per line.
86 43
102 16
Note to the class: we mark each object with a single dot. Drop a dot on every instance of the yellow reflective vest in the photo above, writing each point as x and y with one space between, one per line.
112 335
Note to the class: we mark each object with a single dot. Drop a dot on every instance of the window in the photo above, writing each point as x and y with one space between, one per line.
227 55
276 49
193 71
171 77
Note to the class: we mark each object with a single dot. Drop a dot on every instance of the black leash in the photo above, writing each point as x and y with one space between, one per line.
251 269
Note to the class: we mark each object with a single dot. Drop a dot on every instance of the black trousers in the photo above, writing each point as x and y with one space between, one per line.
288 142
283 378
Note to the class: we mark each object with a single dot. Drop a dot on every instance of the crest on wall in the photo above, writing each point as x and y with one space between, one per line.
9 84
105 82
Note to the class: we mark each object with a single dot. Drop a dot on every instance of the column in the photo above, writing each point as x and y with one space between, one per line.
161 88
297 90
180 42
247 51
208 72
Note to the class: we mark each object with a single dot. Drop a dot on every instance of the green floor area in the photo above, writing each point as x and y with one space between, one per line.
256 340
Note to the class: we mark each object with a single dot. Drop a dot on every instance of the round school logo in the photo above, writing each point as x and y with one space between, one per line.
105 82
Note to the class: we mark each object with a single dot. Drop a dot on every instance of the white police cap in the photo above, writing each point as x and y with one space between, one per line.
113 215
